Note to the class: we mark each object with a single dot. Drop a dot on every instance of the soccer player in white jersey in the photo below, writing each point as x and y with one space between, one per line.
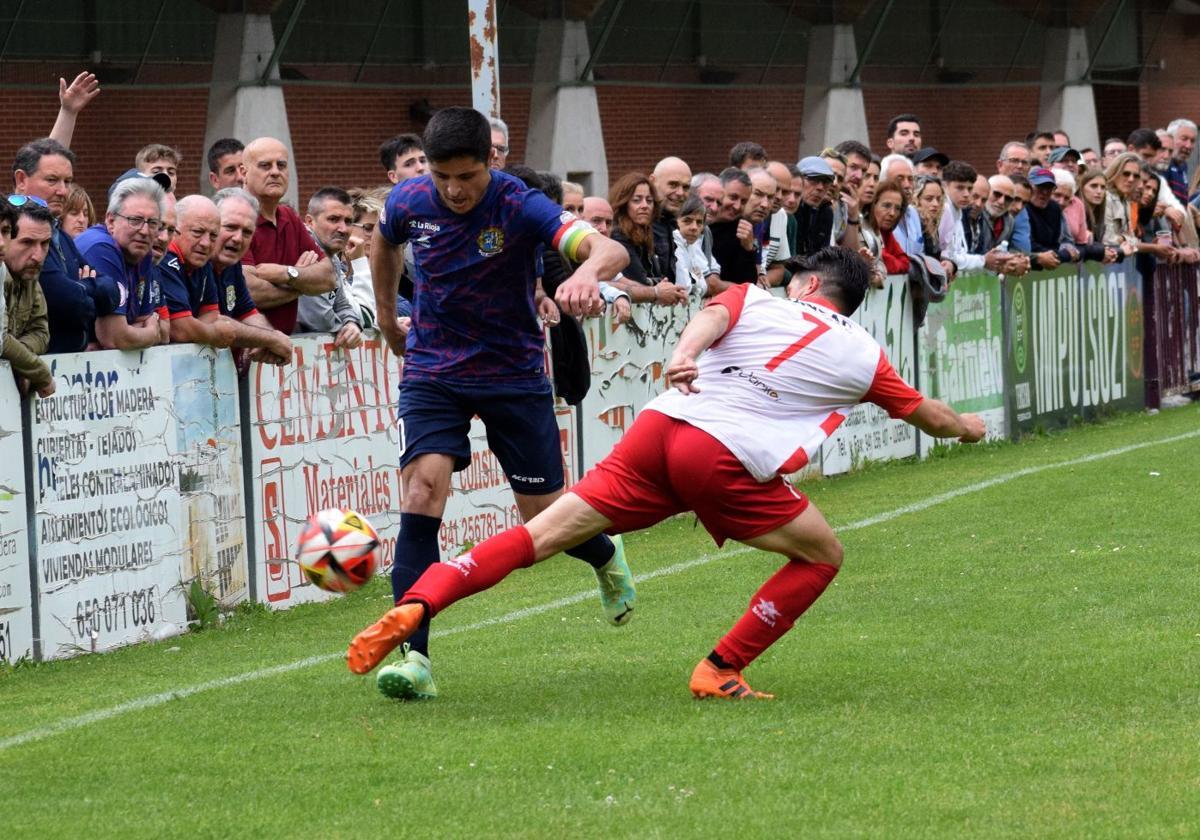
758 384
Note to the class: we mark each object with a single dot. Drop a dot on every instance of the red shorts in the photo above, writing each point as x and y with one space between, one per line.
663 466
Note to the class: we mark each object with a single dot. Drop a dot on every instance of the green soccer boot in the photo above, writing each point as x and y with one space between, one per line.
409 679
617 594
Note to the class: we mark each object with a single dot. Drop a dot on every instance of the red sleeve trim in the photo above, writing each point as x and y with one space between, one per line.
246 315
733 299
183 313
210 307
163 313
798 461
890 392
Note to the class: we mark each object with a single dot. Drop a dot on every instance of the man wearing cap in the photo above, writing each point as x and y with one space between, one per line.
120 251
1066 158
43 172
814 215
929 161
283 262
1050 241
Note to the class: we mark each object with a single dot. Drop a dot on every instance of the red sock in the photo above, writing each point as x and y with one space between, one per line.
774 609
481 568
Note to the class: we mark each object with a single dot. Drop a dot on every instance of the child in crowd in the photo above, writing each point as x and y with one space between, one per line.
690 259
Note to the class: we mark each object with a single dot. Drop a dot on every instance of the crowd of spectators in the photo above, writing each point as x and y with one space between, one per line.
156 262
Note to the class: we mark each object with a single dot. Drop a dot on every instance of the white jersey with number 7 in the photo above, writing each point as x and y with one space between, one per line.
782 378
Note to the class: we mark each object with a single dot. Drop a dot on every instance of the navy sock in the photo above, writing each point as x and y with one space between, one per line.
416 551
595 552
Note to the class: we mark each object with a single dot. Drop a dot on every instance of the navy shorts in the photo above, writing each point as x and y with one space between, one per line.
435 417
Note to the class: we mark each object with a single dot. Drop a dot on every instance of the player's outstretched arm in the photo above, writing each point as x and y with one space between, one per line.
936 418
700 333
603 259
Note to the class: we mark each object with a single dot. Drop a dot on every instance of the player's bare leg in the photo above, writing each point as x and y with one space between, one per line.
606 556
814 555
566 522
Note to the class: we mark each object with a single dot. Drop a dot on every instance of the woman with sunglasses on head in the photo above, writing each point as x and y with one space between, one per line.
1124 177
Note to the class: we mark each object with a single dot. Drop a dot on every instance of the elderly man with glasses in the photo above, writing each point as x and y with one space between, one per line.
120 251
1014 159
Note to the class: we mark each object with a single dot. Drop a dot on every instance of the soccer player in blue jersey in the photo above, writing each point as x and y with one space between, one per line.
474 346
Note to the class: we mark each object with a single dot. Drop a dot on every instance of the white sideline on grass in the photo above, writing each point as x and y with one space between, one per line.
150 701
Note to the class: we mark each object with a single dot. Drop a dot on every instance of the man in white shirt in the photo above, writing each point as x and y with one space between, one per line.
758 384
958 179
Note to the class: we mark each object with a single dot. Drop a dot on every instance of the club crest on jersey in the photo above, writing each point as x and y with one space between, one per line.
490 241
230 298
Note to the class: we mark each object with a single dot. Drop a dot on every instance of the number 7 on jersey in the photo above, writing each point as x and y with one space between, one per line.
818 330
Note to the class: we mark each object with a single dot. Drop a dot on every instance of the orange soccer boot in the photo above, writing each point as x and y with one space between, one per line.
371 646
710 681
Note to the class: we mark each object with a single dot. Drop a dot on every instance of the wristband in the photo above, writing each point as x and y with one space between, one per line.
853 221
656 292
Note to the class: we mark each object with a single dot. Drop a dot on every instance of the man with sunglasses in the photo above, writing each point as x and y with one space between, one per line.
43 172
997 220
120 251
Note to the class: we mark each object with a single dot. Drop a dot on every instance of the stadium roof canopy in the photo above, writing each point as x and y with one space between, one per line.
710 43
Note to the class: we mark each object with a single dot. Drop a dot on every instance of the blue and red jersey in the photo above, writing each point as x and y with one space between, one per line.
187 290
473 312
232 295
138 286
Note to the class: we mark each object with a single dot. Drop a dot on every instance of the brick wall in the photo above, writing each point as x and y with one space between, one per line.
643 125
111 130
964 123
336 131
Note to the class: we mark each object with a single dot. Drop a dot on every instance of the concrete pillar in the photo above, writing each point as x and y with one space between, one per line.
1066 100
237 105
833 112
564 122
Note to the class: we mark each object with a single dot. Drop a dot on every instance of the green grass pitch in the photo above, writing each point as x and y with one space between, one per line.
1021 660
